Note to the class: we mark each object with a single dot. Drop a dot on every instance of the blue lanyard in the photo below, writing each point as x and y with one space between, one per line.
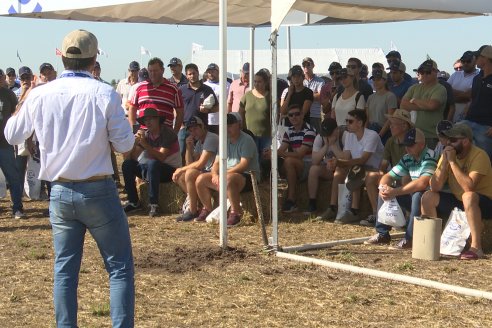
77 74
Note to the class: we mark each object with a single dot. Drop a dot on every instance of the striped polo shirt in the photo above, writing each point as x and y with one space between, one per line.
424 166
305 136
166 96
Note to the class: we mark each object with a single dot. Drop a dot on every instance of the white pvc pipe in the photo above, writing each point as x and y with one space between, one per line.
289 49
329 244
251 57
389 275
274 171
223 122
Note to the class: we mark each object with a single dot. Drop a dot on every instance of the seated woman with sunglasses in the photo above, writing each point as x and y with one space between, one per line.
349 99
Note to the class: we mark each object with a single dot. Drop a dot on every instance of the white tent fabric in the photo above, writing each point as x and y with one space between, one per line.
247 13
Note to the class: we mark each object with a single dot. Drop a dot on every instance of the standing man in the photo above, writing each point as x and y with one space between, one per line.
12 82
461 81
427 100
237 89
194 93
8 102
124 86
96 73
479 116
213 82
77 122
177 78
466 169
397 82
47 73
315 83
157 93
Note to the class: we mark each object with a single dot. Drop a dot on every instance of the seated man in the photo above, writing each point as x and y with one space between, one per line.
199 158
295 154
362 147
394 150
325 147
466 169
242 157
154 158
418 163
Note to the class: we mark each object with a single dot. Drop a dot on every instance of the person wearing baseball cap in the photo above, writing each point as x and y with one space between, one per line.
419 165
443 139
466 169
201 148
399 123
242 158
212 81
238 89
399 81
461 82
124 86
81 165
427 100
177 77
479 116
12 82
47 73
314 83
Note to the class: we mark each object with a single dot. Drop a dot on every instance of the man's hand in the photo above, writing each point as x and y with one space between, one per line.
177 174
450 154
190 142
215 179
386 192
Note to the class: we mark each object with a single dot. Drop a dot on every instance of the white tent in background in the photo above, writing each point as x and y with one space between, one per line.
249 13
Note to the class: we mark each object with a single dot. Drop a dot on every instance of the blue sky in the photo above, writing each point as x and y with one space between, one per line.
36 40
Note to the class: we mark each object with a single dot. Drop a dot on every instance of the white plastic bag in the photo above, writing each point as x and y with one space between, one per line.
344 200
214 216
391 214
32 185
3 185
22 150
455 234
209 102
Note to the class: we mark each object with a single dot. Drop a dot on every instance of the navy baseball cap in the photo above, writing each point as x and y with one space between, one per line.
334 66
328 126
194 121
134 66
234 117
394 53
175 61
46 65
212 66
24 70
9 71
442 126
413 136
246 68
143 75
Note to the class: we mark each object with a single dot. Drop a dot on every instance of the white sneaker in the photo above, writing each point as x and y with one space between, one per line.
19 215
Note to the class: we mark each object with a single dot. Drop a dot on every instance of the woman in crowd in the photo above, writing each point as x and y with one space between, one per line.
349 99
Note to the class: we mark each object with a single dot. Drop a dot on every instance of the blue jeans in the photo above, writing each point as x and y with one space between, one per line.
11 171
182 135
408 202
153 171
74 208
479 137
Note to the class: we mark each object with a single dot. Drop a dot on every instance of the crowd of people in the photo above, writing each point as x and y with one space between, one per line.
426 141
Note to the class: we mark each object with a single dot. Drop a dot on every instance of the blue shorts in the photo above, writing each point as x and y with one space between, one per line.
447 202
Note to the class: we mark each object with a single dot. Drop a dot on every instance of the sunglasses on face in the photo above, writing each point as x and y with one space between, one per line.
465 61
294 114
425 72
352 66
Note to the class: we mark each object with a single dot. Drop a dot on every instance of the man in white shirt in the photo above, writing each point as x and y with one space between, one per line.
124 86
213 82
76 119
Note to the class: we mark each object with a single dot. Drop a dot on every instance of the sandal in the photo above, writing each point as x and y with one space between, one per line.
471 255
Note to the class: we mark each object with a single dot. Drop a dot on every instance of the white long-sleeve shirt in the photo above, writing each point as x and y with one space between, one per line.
75 119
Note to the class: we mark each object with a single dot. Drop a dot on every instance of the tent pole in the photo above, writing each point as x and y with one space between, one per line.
251 57
289 49
274 172
222 122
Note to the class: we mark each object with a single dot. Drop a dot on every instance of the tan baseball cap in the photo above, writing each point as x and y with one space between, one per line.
402 115
79 44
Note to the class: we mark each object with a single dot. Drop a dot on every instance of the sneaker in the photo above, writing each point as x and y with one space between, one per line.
289 206
402 244
370 221
203 215
310 210
378 239
327 215
154 209
188 216
130 207
471 255
347 217
19 215
234 219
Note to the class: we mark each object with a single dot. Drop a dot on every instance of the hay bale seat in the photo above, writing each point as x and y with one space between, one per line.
487 236
171 199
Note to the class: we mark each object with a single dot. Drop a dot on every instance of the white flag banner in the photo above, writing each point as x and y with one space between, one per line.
195 47
13 7
103 53
144 51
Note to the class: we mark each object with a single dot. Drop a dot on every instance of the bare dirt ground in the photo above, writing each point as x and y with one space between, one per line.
183 279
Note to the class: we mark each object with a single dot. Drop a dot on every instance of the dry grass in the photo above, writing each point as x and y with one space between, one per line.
183 279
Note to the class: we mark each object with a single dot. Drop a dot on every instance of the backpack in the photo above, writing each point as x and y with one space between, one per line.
357 97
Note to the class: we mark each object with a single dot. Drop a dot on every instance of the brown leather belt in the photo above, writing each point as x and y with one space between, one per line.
91 179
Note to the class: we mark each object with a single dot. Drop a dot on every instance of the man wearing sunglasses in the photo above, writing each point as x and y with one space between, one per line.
331 88
12 82
466 169
295 154
427 101
461 82
478 116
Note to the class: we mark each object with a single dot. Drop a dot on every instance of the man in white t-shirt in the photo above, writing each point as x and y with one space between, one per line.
362 147
201 148
124 86
213 82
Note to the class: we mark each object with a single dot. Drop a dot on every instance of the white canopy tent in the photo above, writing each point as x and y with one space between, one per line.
249 13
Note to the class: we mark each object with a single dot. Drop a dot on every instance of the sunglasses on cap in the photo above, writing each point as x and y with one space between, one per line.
294 114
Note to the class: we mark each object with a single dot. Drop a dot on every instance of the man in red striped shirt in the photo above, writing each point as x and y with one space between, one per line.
160 93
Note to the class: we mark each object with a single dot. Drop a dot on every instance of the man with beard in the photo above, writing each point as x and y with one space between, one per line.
466 169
